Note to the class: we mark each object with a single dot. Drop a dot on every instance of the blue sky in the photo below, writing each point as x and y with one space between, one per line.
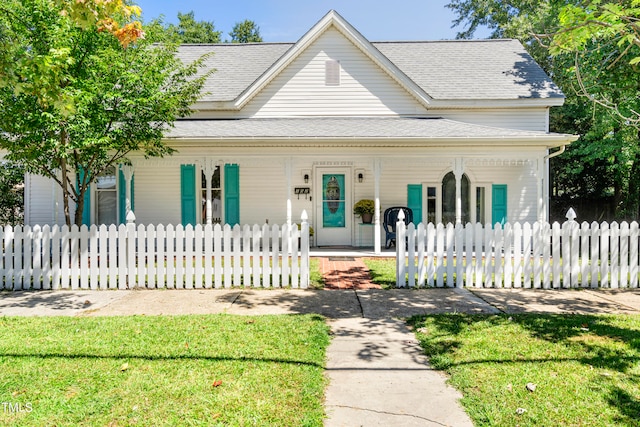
288 20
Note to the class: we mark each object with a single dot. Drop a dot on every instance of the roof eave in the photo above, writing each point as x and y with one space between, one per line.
545 140
432 104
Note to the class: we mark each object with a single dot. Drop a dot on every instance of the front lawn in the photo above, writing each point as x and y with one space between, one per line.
539 370
155 371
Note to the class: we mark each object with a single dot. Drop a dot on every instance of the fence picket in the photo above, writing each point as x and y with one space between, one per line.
422 266
94 257
266 257
275 250
198 240
217 255
584 254
36 257
83 247
161 256
459 259
46 257
604 255
256 255
478 250
634 235
286 247
614 253
595 254
431 268
624 255
526 255
546 255
188 256
538 242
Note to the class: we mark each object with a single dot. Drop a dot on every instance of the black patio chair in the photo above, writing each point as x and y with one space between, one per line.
390 220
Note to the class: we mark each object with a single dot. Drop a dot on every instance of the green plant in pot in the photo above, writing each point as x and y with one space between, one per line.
365 208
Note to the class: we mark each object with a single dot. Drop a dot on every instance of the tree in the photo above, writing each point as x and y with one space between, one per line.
597 170
189 30
245 32
604 38
11 193
77 96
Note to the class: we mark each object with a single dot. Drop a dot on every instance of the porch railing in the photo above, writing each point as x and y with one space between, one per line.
538 255
130 256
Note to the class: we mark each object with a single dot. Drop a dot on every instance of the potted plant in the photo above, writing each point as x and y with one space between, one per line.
365 208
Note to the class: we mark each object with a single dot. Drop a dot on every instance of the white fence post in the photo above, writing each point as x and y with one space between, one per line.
400 251
304 250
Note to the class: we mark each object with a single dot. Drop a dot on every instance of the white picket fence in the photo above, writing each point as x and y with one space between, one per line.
538 255
130 256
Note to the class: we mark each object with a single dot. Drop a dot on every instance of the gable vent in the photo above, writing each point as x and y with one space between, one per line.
332 72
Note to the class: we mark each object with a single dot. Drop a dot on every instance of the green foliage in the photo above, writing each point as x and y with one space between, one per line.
11 193
189 30
364 206
76 99
245 32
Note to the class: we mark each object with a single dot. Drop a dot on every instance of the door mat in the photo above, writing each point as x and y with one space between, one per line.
341 258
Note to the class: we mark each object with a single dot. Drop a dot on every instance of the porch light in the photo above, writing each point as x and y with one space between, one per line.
306 178
360 177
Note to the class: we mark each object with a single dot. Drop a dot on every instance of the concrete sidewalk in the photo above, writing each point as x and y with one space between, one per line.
378 375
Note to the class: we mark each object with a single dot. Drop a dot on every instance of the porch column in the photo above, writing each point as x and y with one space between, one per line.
209 170
127 172
377 172
288 167
458 171
542 194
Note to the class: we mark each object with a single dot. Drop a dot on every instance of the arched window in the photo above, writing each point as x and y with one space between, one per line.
449 198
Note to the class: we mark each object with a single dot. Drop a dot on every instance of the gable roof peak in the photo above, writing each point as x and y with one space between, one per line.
333 20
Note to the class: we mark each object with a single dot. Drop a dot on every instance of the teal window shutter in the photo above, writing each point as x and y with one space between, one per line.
499 204
122 197
414 201
188 193
86 212
231 194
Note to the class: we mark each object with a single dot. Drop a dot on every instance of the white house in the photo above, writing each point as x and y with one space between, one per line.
456 130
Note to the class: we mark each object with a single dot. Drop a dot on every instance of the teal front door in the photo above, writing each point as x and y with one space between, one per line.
334 207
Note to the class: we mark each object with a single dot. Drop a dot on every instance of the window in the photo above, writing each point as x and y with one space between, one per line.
216 197
449 198
431 205
481 216
106 206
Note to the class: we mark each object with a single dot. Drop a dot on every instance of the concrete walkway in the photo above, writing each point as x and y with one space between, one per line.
378 374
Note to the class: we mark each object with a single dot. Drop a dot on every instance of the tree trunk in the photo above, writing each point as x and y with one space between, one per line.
65 192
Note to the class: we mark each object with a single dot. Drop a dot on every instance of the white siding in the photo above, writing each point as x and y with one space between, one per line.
534 119
263 194
300 90
39 200
157 193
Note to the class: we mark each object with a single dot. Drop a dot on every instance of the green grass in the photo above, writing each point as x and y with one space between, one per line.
586 368
162 371
382 271
316 281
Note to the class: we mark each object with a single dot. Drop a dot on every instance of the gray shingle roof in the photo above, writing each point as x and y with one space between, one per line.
446 70
471 69
342 128
236 65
